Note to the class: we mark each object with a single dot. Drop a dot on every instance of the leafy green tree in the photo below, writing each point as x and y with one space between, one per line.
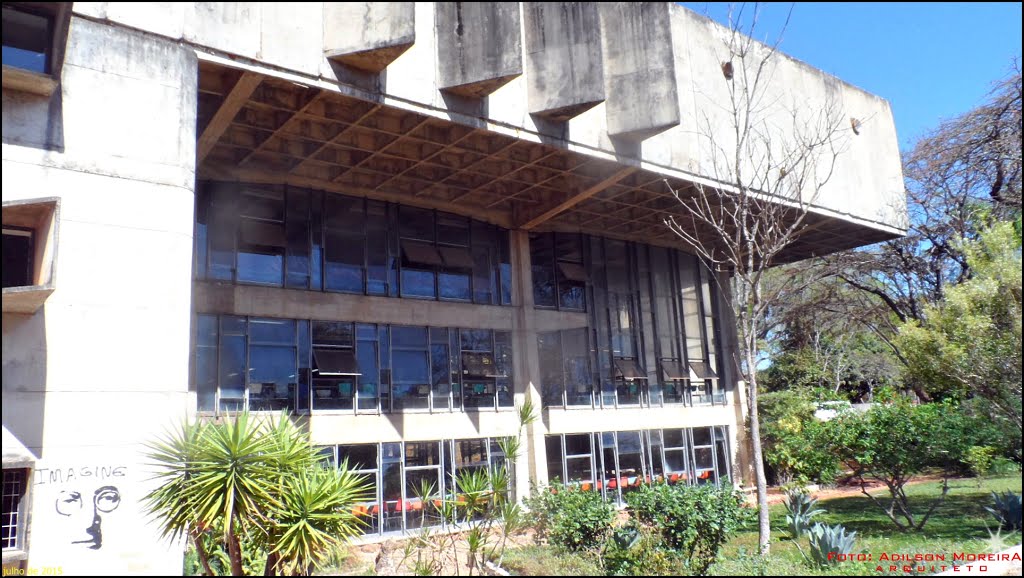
247 480
894 442
970 345
793 438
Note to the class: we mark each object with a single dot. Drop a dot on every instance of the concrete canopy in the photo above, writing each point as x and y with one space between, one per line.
269 130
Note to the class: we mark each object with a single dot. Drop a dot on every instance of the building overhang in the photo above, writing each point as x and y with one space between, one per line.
258 128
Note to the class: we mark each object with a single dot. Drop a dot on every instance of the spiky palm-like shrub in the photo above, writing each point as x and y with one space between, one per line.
828 541
801 508
254 480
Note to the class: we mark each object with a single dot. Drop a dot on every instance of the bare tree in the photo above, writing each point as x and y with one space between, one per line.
769 154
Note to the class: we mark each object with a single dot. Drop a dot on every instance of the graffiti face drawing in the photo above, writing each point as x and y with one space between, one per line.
71 504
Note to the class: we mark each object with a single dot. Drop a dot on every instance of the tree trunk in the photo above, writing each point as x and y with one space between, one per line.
763 521
235 552
204 559
270 568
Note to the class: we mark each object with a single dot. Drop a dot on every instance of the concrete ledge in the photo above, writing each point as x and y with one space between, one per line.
27 81
368 35
563 58
479 46
639 68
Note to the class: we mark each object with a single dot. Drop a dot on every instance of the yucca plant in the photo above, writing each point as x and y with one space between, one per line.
247 479
1006 509
802 508
828 541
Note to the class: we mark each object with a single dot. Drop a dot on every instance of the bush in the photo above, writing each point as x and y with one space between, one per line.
570 518
693 520
893 443
979 459
791 437
638 551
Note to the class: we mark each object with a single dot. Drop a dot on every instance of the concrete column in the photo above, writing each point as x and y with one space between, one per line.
532 464
479 46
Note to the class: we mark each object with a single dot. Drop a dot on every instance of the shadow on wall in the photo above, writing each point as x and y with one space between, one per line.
24 377
33 120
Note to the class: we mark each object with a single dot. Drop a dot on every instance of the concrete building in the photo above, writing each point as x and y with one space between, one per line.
397 220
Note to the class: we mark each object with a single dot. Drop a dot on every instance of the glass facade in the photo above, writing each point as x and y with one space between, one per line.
616 463
651 335
303 239
272 364
409 479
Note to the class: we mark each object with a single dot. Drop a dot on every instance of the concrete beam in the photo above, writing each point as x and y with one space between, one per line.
479 46
234 101
577 199
639 68
563 58
368 35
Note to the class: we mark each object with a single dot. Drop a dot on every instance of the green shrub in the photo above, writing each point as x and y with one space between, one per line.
570 518
827 541
693 520
638 551
792 439
979 459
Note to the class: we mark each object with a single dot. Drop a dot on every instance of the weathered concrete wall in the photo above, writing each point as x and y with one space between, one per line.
103 366
639 68
564 71
866 187
368 35
479 46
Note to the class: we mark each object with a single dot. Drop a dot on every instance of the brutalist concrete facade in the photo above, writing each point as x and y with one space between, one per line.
195 172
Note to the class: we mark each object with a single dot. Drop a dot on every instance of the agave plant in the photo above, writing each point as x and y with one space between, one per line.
802 508
1006 509
828 541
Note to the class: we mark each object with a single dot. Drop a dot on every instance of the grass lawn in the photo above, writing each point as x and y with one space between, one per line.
959 525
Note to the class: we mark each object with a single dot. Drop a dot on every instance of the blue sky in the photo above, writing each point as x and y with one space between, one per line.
931 61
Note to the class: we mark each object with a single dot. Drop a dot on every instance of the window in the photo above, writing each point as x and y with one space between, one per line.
628 459
409 479
29 253
411 368
298 238
249 363
18 253
33 34
269 364
335 366
14 514
559 275
486 363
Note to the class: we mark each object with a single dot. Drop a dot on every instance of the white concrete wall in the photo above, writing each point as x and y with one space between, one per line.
103 366
866 188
